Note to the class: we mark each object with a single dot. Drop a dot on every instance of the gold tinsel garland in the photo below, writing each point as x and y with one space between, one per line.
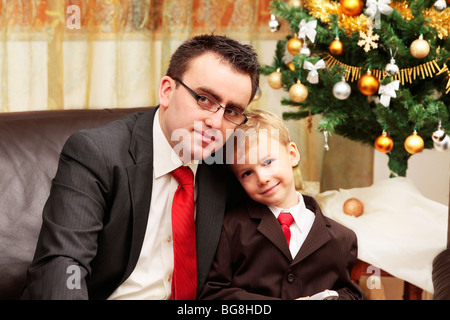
321 9
407 75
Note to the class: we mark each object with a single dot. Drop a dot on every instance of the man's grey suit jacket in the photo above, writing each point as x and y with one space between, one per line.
95 218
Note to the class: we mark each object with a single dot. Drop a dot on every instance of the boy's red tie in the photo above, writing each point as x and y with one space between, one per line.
285 219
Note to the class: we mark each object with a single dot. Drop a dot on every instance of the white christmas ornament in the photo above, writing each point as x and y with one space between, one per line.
391 68
374 10
440 5
305 50
440 139
342 90
443 145
387 92
307 29
313 74
439 134
274 24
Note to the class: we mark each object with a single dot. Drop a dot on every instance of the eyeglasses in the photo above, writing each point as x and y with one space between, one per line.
231 114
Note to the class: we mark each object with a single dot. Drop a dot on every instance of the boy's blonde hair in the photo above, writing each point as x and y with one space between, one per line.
261 127
261 119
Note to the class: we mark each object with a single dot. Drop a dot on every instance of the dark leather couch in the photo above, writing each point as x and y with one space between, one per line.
30 144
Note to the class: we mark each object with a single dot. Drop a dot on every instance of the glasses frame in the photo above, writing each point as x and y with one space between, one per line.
197 97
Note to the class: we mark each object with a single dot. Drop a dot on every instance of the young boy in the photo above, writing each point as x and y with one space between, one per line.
257 258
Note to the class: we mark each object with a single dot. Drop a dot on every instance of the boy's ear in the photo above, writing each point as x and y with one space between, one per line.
166 87
294 154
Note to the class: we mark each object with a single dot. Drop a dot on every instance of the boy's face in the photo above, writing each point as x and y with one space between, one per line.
269 180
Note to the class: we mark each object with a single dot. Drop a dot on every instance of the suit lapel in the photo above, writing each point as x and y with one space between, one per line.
140 182
269 226
318 235
211 195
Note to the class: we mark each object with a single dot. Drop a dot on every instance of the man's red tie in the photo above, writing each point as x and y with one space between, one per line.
285 219
184 281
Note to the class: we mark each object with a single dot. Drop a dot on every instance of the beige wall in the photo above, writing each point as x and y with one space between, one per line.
429 170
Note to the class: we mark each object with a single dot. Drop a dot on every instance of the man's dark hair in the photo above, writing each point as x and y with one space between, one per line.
242 58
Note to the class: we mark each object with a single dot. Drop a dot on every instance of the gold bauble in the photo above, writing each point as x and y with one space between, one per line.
353 207
295 3
414 143
384 143
336 46
274 80
298 92
352 7
419 48
294 45
368 84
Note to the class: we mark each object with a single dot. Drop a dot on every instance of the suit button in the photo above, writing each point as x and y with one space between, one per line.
290 278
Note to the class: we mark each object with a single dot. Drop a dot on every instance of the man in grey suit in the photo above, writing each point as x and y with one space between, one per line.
106 231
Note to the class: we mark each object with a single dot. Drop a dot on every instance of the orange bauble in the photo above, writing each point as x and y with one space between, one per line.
368 84
294 45
336 46
352 7
414 143
353 207
290 65
384 143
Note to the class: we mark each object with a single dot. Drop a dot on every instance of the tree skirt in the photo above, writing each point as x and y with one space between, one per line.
400 231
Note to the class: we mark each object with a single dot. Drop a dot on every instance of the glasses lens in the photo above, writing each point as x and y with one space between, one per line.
230 114
234 116
207 103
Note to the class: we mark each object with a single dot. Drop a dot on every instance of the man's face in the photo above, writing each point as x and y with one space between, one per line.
185 124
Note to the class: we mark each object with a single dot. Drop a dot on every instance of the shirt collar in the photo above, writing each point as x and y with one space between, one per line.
165 159
297 211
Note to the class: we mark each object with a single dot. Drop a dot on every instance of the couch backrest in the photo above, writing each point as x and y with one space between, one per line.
30 144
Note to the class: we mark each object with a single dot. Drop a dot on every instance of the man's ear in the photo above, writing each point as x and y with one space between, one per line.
166 87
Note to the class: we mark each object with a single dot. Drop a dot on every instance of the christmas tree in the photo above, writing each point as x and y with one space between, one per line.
375 70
